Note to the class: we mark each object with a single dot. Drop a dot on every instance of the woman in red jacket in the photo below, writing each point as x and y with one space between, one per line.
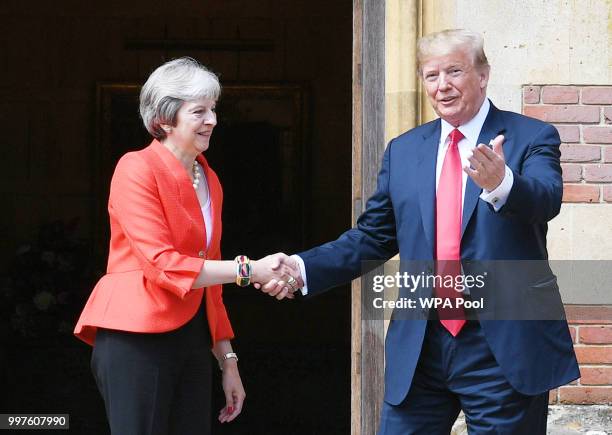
154 316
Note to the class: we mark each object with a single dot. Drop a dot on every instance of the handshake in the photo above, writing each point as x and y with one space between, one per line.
277 275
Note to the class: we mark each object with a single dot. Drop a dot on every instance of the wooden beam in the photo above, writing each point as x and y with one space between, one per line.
367 353
357 207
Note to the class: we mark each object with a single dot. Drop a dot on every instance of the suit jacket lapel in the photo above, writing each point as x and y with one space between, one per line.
426 172
491 127
184 188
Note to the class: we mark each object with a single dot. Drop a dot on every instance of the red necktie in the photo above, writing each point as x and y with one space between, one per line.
449 204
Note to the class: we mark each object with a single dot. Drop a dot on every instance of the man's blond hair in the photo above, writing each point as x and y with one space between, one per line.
447 41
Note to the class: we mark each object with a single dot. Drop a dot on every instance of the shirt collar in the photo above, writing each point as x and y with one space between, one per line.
471 129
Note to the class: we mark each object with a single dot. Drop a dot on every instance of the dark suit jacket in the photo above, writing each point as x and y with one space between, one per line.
535 355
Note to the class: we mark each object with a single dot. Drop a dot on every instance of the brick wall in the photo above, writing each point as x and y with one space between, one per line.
583 116
591 329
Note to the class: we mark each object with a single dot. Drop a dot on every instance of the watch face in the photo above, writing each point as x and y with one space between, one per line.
230 355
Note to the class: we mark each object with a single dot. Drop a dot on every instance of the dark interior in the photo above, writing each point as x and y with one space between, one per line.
69 82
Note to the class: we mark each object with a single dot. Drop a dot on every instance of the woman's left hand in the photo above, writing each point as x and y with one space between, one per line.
234 392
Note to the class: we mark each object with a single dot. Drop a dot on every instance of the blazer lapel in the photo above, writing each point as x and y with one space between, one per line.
426 172
184 188
491 128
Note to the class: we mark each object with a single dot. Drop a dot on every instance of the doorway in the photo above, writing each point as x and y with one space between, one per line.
294 358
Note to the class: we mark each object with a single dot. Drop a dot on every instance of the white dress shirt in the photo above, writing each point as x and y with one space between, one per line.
470 130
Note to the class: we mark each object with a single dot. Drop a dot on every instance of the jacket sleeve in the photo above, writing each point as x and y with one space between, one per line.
373 239
538 188
223 330
134 201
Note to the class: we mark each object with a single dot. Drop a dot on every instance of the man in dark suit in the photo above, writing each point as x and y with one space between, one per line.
443 194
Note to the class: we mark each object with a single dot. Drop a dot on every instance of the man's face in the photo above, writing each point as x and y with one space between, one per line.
455 87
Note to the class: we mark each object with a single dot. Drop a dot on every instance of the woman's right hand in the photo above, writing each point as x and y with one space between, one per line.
271 275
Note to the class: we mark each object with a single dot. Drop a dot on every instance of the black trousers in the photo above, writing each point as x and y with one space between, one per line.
156 384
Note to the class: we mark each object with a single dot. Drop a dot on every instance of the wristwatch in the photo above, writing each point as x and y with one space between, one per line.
227 356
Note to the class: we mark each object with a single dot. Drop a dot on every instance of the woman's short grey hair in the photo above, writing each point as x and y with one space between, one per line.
447 41
169 87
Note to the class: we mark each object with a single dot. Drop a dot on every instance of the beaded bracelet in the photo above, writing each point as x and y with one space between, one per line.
243 270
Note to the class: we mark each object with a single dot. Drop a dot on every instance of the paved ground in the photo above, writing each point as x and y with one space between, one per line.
568 420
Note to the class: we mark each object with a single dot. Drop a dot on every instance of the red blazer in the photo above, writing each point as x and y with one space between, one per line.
157 249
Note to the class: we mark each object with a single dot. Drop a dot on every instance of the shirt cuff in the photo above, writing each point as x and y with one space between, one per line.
302 267
498 196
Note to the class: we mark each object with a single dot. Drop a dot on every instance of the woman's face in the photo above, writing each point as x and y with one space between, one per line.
195 122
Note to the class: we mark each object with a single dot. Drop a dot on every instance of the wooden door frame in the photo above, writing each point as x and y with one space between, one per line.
367 340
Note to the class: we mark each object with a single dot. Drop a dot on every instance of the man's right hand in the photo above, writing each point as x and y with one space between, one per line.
277 275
